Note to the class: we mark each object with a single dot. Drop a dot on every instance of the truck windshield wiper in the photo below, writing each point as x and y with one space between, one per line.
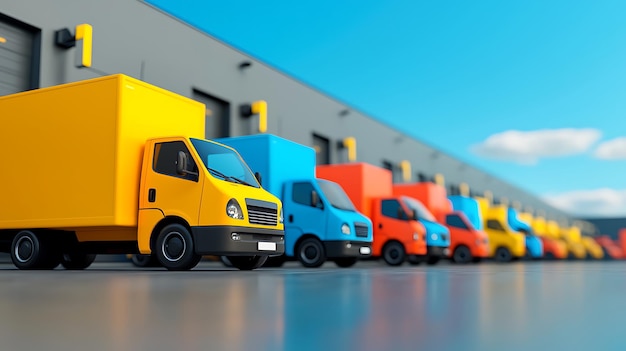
227 178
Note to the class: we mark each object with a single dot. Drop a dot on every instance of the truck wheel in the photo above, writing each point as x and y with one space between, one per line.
432 260
414 260
311 253
226 261
247 263
144 261
503 255
31 251
345 262
462 255
77 261
393 253
174 248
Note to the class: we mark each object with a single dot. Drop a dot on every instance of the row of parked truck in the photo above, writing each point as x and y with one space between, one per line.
115 165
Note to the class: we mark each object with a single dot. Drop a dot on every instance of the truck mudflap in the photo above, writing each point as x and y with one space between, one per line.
238 241
347 248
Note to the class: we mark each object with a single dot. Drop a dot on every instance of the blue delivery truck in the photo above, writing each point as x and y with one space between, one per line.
320 220
534 246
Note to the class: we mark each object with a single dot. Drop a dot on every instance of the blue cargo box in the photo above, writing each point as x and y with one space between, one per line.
278 160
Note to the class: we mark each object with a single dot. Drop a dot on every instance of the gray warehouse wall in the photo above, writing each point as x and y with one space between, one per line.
133 38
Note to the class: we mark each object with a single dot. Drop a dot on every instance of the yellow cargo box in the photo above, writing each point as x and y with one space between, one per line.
73 152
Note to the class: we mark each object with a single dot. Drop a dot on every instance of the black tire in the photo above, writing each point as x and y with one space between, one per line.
503 255
247 263
433 260
275 261
144 261
32 251
414 260
77 260
462 255
345 262
393 253
311 253
175 250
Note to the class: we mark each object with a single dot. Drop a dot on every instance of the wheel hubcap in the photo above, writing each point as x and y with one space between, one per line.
24 249
174 246
310 254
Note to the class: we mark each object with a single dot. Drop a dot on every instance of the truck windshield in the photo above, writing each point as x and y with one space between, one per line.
223 163
420 210
335 195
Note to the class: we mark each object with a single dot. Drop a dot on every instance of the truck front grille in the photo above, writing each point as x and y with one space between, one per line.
361 230
262 212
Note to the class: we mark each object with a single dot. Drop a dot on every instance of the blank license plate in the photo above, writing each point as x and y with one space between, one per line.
264 246
365 250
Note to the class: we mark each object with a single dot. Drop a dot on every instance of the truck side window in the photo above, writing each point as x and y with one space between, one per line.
166 156
391 208
495 225
302 193
454 220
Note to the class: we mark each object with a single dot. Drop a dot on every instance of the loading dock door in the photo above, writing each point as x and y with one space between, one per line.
16 58
217 115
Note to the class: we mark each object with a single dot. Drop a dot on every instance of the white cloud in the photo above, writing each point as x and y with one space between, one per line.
614 149
529 147
602 202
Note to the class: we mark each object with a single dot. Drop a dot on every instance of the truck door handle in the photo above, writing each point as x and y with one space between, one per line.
290 218
380 226
151 195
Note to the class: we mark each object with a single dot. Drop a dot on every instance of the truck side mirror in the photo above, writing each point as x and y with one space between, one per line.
181 163
257 175
315 198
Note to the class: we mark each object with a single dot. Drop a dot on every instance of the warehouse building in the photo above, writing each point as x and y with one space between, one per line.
42 43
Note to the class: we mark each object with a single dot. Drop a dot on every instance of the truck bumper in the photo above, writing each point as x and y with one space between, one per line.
437 251
346 248
221 240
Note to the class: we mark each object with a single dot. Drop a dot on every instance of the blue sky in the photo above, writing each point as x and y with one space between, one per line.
455 73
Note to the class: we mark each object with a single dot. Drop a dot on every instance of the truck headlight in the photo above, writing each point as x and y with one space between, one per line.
433 236
280 218
233 210
416 236
345 229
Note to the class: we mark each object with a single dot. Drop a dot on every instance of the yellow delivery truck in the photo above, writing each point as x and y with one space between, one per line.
116 165
505 244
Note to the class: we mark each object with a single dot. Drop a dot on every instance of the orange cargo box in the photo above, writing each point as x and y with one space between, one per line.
361 181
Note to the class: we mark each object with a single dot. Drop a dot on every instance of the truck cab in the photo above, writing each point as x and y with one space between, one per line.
572 238
318 212
469 241
437 235
321 223
534 246
553 248
398 235
506 244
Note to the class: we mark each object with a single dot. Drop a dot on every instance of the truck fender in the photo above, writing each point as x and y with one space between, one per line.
147 221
